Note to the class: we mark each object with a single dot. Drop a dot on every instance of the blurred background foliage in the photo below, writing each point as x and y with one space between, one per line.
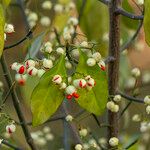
94 24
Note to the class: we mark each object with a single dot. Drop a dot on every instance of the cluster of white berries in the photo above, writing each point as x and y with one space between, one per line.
113 141
94 58
147 102
69 30
112 105
145 126
11 128
8 29
41 138
71 90
28 69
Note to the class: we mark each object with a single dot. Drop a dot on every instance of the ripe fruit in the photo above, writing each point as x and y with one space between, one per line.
10 128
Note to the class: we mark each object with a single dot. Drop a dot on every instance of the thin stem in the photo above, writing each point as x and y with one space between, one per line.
113 67
4 142
16 104
130 98
123 12
20 41
130 41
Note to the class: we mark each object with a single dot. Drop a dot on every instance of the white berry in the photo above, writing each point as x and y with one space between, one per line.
91 62
40 73
60 50
117 98
78 147
147 100
69 118
113 141
97 56
10 128
70 90
47 63
57 79
136 72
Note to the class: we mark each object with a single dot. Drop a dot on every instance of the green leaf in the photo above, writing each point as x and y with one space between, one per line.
35 46
3 122
6 2
47 97
2 22
132 141
147 21
97 28
94 100
129 23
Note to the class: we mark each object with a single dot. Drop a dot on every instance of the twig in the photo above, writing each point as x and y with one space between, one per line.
20 41
16 104
130 98
8 93
10 145
123 12
106 2
129 42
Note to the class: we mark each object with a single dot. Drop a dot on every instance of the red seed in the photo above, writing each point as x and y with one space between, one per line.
21 70
22 82
69 97
75 95
30 72
103 68
80 83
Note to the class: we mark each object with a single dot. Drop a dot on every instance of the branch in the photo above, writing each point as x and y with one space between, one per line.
129 42
20 41
10 145
71 125
16 104
131 98
121 11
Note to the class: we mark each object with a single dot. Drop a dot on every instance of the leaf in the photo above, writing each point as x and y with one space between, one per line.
129 23
2 22
94 100
47 97
35 46
132 141
94 22
6 2
147 21
3 122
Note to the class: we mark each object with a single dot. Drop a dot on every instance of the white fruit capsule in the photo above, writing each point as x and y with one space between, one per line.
79 83
40 73
78 147
147 100
115 109
63 85
32 71
32 17
117 98
49 137
45 21
136 118
68 65
9 28
60 50
67 36
136 72
10 128
30 63
148 109
97 56
75 53
58 8
113 141
102 65
47 63
84 44
91 62
90 82
110 105
70 90
21 79
14 66
48 49
69 118
83 132
57 79
47 5
73 21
